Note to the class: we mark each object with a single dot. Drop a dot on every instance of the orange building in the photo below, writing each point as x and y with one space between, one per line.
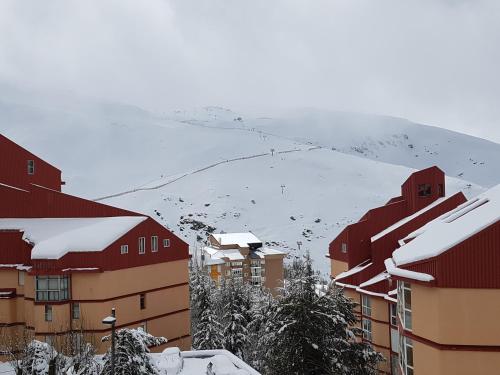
448 291
358 253
66 261
242 256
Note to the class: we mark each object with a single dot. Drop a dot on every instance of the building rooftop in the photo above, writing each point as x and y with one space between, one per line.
52 238
240 239
450 229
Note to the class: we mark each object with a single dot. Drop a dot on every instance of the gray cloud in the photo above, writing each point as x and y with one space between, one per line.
431 61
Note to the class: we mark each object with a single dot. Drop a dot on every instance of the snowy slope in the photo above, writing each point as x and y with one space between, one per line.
219 169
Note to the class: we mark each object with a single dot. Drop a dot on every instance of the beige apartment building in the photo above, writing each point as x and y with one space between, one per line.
242 256
66 261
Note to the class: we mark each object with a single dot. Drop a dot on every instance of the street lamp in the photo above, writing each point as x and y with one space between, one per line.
111 320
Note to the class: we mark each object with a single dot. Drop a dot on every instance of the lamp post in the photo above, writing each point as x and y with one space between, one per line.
111 320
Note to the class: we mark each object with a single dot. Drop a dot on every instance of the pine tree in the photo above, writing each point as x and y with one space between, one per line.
41 359
84 363
308 332
131 352
208 330
236 318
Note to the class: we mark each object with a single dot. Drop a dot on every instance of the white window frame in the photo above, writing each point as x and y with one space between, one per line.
166 242
154 244
404 306
123 249
366 326
48 313
142 245
31 167
228 272
366 305
237 264
61 292
406 345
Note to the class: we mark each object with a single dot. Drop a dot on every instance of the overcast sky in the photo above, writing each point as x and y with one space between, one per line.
435 62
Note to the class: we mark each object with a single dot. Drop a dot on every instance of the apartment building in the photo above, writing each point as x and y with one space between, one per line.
66 261
358 254
448 291
242 256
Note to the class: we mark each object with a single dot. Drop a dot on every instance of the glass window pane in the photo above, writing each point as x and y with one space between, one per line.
54 283
53 296
407 297
408 320
409 356
41 283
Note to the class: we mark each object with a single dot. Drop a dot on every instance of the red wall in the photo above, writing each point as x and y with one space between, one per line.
13 249
111 259
14 167
384 246
474 263
40 202
433 176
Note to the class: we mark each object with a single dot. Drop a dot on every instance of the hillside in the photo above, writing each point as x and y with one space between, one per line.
215 168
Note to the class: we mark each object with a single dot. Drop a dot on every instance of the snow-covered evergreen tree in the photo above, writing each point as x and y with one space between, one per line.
42 359
309 333
84 363
208 330
236 317
131 352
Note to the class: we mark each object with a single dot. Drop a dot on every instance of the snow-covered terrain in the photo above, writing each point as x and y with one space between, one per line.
291 178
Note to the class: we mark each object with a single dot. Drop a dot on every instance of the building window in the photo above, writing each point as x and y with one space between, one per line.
344 247
142 245
367 329
237 264
124 249
31 167
406 355
20 278
48 313
228 272
52 288
144 327
424 190
142 301
404 304
366 304
394 320
166 242
394 364
75 310
154 244
236 272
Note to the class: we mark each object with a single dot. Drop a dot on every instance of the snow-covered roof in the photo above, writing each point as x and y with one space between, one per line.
408 219
240 239
54 237
231 254
393 270
263 251
213 261
451 229
354 270
376 279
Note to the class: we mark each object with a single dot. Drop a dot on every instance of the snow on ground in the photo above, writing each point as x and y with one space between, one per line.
295 179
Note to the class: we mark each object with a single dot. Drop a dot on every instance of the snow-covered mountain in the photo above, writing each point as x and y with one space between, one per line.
288 177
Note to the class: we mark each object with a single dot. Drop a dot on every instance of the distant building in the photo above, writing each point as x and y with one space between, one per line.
358 253
66 261
242 256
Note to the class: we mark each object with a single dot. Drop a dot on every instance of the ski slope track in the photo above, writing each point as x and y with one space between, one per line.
295 179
